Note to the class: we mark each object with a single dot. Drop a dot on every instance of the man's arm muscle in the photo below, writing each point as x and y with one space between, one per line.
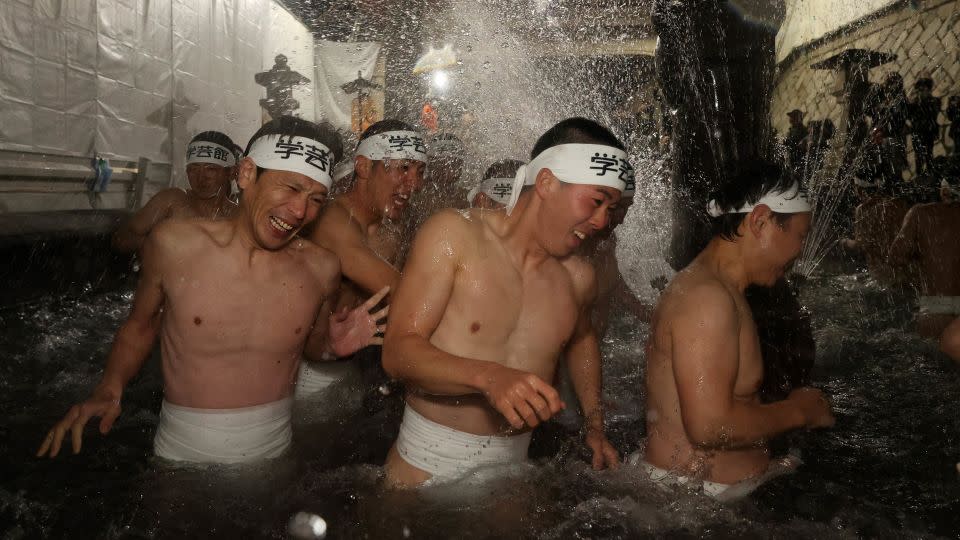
358 262
706 358
417 308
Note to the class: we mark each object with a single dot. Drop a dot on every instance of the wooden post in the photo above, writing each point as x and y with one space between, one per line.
143 175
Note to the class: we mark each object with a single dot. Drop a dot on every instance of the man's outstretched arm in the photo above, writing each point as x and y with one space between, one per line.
130 349
584 365
358 263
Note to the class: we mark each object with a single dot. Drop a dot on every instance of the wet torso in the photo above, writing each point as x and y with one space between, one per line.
876 224
500 312
938 248
234 321
668 445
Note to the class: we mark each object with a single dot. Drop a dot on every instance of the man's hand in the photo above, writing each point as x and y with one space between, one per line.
815 407
351 331
103 403
604 454
522 398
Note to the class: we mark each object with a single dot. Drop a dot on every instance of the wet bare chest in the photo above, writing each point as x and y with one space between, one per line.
217 308
750 371
531 313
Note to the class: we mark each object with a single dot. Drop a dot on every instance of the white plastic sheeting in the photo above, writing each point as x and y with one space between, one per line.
337 64
137 78
290 38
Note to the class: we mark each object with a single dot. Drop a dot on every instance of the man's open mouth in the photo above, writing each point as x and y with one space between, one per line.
280 224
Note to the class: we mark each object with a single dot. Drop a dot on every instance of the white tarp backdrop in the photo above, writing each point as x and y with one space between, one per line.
287 36
137 78
337 64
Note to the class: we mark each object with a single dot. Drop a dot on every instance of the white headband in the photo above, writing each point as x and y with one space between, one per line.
209 152
393 145
791 201
294 154
498 189
590 164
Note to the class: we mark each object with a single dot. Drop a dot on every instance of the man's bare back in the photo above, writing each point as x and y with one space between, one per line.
929 237
876 224
230 314
668 445
517 317
928 240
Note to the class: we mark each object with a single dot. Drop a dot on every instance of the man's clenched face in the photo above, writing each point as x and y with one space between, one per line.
279 204
392 182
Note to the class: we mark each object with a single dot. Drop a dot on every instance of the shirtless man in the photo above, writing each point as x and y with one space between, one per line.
705 421
876 222
358 225
601 251
488 302
211 166
493 192
236 303
928 238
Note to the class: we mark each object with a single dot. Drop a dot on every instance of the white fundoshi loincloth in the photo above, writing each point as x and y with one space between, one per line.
224 435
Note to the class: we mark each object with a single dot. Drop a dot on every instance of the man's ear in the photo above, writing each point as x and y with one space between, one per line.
757 219
246 173
546 183
362 167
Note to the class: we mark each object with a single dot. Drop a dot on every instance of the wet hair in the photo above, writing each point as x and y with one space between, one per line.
748 187
505 168
291 126
575 130
215 137
384 126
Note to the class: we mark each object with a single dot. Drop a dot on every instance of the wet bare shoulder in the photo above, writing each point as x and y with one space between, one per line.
323 263
583 276
182 235
692 292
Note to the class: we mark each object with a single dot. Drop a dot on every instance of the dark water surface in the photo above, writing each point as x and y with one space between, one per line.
888 469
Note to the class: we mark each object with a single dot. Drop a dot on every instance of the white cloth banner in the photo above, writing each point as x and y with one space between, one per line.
338 64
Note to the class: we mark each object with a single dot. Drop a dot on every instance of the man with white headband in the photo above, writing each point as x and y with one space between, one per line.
360 228
875 224
211 165
236 303
706 426
493 192
487 303
928 239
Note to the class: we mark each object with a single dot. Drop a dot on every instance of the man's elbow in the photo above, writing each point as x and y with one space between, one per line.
950 341
390 358
709 435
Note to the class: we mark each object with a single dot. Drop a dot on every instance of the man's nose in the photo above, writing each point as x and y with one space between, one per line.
299 206
414 181
600 218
